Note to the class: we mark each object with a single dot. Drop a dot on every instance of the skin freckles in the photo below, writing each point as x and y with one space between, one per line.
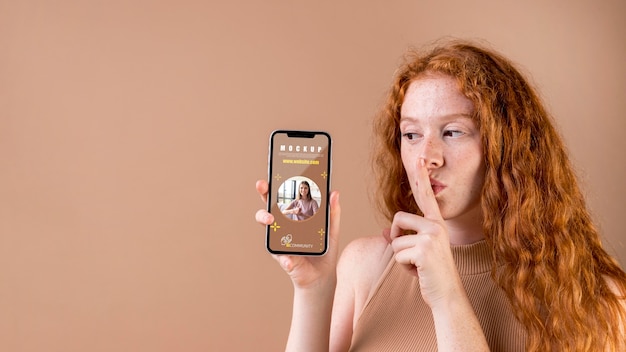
436 126
343 304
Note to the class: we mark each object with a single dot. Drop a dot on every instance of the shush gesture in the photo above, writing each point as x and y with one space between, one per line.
422 244
445 125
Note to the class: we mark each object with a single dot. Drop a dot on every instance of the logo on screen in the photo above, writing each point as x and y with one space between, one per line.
286 240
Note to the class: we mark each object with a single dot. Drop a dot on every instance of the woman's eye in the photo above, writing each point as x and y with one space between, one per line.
410 136
453 133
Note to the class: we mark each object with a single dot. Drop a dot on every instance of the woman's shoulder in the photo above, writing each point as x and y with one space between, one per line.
364 260
364 250
360 267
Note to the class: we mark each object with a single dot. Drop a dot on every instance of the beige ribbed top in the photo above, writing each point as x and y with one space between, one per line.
396 318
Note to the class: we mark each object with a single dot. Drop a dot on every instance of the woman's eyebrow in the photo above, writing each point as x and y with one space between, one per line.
446 118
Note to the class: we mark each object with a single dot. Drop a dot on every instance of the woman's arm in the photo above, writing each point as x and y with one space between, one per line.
314 206
360 266
311 317
457 326
314 279
291 208
427 254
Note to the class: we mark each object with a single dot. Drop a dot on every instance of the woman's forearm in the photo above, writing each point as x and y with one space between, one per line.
310 322
457 327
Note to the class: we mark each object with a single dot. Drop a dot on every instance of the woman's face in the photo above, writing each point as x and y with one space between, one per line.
436 125
304 189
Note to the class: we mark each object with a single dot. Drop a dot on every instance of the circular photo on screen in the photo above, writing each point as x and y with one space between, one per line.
299 198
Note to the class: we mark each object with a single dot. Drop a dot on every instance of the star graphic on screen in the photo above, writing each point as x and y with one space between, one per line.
278 177
321 232
275 226
324 175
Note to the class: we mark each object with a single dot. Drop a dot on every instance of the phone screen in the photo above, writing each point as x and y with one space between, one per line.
299 183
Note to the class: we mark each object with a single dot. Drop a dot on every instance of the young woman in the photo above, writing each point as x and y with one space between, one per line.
490 244
304 206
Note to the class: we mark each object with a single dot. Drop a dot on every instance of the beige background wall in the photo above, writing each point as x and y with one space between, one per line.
132 132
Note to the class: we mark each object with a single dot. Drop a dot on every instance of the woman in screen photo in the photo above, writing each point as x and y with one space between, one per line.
304 206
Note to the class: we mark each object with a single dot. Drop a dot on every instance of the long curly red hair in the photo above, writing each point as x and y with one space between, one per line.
548 258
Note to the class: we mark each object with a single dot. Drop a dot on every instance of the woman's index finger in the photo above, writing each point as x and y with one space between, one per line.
426 197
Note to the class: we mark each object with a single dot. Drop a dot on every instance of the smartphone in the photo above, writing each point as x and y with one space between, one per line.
299 184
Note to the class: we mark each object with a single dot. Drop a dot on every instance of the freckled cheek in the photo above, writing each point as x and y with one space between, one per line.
408 161
477 181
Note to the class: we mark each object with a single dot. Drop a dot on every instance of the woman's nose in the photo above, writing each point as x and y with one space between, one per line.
432 152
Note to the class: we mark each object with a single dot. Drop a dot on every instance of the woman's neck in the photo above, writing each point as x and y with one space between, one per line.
466 228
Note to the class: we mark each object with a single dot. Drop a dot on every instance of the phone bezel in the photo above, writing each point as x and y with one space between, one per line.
326 201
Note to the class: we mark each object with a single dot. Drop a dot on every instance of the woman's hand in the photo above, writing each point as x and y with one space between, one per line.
426 250
294 211
306 271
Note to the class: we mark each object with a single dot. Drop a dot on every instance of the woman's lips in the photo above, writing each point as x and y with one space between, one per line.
436 186
437 189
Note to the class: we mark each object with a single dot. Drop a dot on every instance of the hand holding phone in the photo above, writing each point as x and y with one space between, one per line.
307 271
298 197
